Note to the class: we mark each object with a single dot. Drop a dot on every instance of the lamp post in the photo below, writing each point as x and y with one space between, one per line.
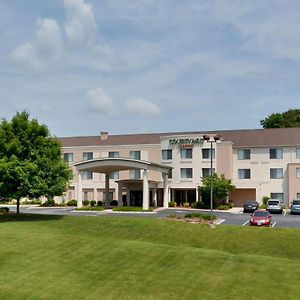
211 140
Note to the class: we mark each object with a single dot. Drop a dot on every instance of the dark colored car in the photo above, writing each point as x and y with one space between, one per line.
261 218
251 206
295 207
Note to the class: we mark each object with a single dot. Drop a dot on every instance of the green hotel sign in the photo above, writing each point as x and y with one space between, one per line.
186 141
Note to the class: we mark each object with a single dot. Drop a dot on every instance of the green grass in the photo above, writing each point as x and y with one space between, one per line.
54 257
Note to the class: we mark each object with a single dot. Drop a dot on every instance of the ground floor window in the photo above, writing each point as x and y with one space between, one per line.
278 196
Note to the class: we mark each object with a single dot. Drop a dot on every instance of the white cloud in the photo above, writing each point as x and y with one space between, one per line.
143 107
44 50
80 25
100 102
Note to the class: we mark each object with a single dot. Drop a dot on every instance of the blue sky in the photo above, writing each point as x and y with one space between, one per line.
131 66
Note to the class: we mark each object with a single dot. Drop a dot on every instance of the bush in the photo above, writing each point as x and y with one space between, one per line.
48 203
130 208
186 204
72 202
197 204
265 199
93 203
172 203
205 217
89 208
225 206
262 206
100 203
114 203
4 210
85 202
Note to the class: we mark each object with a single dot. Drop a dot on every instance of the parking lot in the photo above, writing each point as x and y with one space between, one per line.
236 217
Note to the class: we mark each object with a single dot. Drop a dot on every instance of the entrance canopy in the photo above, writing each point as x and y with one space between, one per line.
114 164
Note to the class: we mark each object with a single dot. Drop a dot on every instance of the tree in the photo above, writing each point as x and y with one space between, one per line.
31 162
290 118
222 187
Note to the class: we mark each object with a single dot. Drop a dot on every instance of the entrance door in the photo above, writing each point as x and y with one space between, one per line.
136 198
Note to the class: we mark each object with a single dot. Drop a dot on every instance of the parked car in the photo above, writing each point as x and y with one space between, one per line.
251 206
295 207
261 218
274 206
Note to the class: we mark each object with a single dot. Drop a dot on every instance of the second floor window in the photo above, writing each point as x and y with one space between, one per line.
244 154
297 152
134 174
244 173
166 154
276 173
298 172
113 154
206 171
135 155
186 172
276 153
87 175
87 155
114 175
68 157
186 153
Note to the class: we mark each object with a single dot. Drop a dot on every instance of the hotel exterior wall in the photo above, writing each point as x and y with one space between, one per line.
294 181
224 159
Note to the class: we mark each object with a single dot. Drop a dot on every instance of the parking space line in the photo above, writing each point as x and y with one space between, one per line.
245 223
274 224
284 214
220 221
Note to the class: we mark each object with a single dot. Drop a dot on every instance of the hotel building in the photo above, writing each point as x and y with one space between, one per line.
162 167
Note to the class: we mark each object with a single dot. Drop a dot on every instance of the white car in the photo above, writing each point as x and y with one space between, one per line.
274 206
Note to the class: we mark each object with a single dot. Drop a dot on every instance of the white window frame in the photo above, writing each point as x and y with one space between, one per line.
165 154
242 173
276 173
184 172
242 156
279 153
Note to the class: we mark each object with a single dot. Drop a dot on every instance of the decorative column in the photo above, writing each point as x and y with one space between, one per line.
95 194
79 189
106 198
197 194
119 193
166 190
145 190
128 196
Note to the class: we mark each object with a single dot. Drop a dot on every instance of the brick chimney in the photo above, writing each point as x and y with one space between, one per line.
103 135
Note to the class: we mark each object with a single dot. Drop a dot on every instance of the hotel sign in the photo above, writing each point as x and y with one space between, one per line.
185 142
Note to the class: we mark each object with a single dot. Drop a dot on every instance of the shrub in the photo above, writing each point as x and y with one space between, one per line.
4 210
130 208
172 203
265 199
197 204
89 208
114 203
85 202
48 203
186 204
205 217
262 206
100 203
171 216
225 206
93 203
36 201
72 202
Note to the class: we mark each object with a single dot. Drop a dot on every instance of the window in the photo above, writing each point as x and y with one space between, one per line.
276 153
134 174
298 172
113 154
85 196
68 157
87 175
135 155
278 196
297 152
244 174
170 173
87 155
298 195
186 153
206 171
206 153
114 175
244 154
186 172
276 173
166 154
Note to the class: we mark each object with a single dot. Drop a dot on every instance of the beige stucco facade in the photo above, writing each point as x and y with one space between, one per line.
253 169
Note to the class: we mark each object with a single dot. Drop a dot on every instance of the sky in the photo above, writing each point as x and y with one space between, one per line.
139 66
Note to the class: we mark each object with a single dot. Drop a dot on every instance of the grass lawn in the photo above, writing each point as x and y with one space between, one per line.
44 257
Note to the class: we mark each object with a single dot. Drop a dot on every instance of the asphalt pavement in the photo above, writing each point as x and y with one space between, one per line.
233 217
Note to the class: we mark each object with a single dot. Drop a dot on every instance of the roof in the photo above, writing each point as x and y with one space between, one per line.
240 138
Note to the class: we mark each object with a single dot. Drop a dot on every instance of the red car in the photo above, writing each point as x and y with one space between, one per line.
261 218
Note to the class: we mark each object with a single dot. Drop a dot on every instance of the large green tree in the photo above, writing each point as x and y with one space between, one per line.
290 118
31 162
222 187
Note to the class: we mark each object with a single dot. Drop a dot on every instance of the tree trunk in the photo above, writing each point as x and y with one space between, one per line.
18 206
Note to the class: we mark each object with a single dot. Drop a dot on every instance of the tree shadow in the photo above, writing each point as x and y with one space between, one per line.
13 217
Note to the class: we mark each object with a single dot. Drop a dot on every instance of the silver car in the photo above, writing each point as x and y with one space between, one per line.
274 206
295 207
